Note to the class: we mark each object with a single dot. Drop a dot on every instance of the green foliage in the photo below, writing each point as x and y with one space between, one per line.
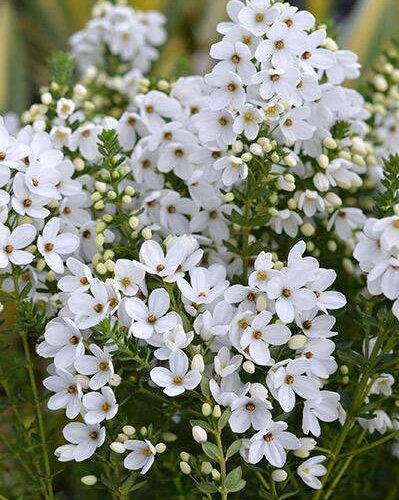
61 69
390 197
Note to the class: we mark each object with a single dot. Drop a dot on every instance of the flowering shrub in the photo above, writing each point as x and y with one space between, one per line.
175 250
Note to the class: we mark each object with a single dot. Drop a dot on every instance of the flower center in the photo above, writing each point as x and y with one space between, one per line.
146 164
84 280
246 39
288 122
262 276
146 452
74 340
9 249
3 156
251 296
235 58
213 214
98 308
93 435
231 87
286 293
396 224
268 437
168 136
223 121
279 44
250 407
257 334
307 325
160 267
48 247
86 133
309 355
125 282
260 17
179 153
27 203
177 380
106 407
67 211
249 117
132 121
35 182
149 109
243 324
113 302
103 365
275 78
289 380
86 234
172 209
72 389
289 22
306 55
151 319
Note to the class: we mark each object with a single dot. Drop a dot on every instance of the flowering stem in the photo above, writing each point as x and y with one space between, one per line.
222 462
379 442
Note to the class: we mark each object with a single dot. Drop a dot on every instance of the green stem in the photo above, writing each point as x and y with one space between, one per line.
222 462
39 416
372 445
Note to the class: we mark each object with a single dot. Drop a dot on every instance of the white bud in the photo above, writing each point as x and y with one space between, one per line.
307 445
292 204
348 266
79 91
344 369
206 410
275 158
217 411
100 240
46 98
199 434
380 83
115 380
122 437
248 366
323 161
197 363
79 164
297 342
163 85
256 149
332 246
215 475
117 447
321 182
146 233
184 456
261 303
160 447
246 157
89 480
129 430
330 143
290 161
333 200
228 197
101 268
134 222
206 468
358 160
237 147
185 468
307 229
39 126
279 475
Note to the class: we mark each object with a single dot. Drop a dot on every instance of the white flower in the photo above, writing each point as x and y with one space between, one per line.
142 455
51 244
65 107
216 126
80 279
100 406
156 262
286 381
206 284
287 221
383 385
11 151
249 412
85 138
294 126
153 318
26 203
257 16
235 57
99 365
326 300
68 392
228 91
271 443
63 341
281 46
229 390
262 271
171 341
128 275
277 82
11 244
248 121
89 309
178 379
234 169
260 334
85 440
225 364
287 288
380 423
317 354
310 470
324 407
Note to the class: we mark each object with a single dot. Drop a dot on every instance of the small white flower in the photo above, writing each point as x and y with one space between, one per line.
128 275
80 279
310 470
249 412
51 244
177 379
68 392
85 440
228 91
99 365
142 455
12 243
100 406
91 309
225 364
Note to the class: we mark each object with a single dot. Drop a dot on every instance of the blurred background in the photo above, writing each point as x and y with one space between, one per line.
31 30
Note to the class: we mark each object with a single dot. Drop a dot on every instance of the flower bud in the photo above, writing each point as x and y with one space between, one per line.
46 98
321 182
261 303
256 149
129 190
297 342
246 157
237 147
160 447
215 475
163 85
290 161
115 380
380 83
122 437
248 366
199 434
101 268
307 229
185 468
217 412
332 246
129 430
79 164
146 233
169 437
330 143
228 197
345 380
89 480
206 468
143 431
279 475
134 222
184 456
206 410
117 447
197 363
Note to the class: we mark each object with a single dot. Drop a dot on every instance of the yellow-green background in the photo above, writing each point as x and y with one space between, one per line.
30 30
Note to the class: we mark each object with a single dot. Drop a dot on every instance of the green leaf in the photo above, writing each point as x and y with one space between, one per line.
202 424
233 448
61 67
224 419
205 387
234 481
207 488
212 451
